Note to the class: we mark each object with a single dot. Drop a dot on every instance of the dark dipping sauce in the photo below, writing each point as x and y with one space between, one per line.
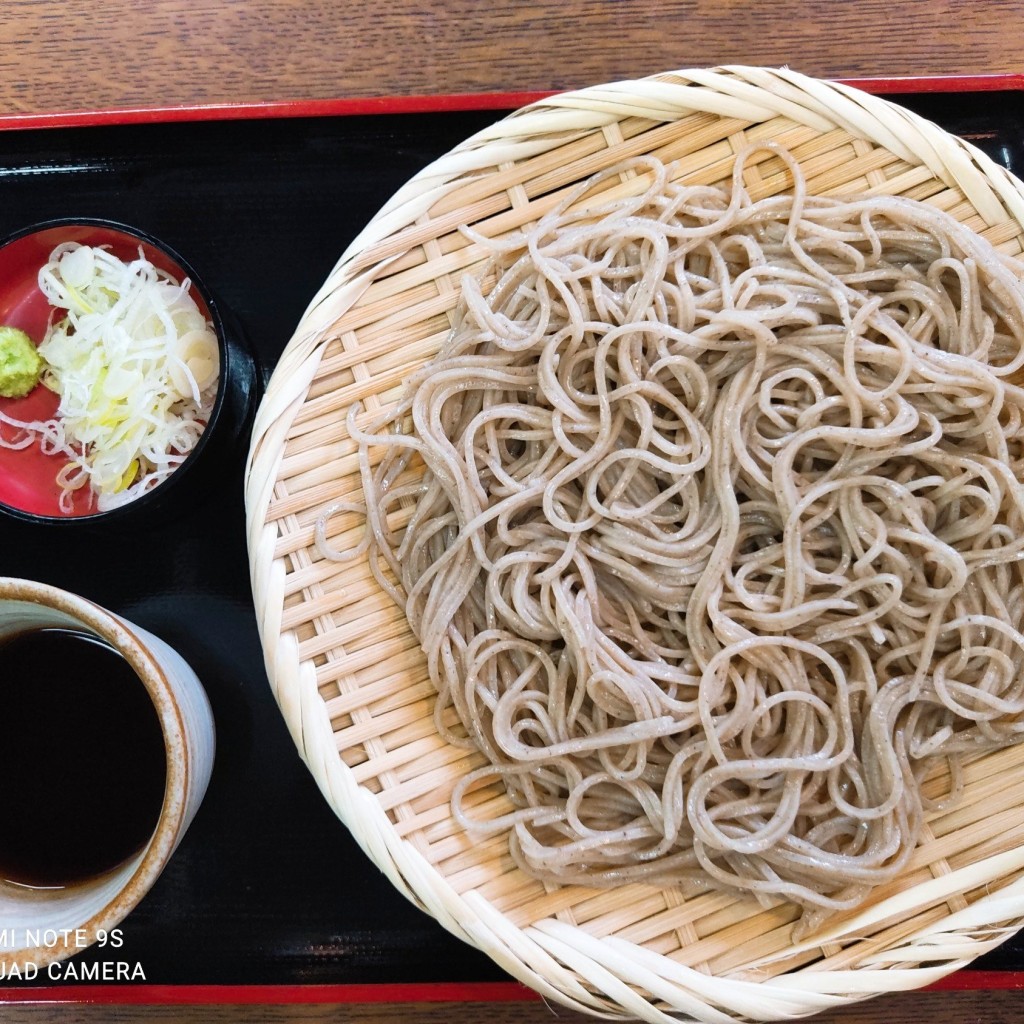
82 762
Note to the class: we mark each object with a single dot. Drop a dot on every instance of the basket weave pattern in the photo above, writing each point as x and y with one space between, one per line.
350 677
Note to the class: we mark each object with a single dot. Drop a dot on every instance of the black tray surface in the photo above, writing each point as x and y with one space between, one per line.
267 887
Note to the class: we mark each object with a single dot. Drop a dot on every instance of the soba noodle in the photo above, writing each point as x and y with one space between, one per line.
720 544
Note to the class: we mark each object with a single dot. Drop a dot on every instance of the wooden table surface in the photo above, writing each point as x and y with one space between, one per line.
72 55
59 55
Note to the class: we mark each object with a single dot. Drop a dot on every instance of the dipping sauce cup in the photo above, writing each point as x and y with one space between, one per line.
40 925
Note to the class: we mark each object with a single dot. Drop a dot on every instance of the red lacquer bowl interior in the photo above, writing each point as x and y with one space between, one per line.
27 476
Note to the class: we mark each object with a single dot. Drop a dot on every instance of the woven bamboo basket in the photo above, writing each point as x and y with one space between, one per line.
351 680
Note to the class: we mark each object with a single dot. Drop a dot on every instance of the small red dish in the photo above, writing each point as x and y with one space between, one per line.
28 487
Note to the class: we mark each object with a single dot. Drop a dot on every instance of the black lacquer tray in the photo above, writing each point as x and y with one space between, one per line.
268 888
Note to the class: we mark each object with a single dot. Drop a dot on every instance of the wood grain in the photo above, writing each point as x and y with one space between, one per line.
905 1008
63 55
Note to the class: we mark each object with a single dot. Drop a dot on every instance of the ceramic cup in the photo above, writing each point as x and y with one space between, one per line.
40 927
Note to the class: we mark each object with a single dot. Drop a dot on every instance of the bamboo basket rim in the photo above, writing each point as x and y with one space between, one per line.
355 718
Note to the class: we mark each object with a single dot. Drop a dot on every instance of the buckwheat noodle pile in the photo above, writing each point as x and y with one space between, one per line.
719 548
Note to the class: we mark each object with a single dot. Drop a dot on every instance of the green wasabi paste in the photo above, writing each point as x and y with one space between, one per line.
20 363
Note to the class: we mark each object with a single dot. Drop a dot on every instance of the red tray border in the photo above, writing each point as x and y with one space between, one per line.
425 104
427 992
432 992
